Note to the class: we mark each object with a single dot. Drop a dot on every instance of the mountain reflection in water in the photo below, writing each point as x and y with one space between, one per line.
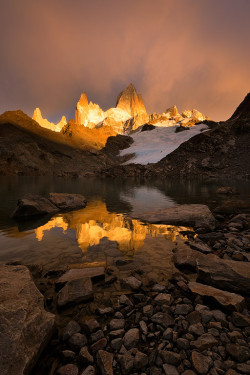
94 223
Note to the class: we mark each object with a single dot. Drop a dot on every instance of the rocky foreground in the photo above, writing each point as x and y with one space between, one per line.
196 322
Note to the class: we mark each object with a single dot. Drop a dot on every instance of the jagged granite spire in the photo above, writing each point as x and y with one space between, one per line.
130 101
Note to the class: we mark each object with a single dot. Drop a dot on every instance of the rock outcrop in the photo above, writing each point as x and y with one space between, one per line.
25 326
37 116
87 113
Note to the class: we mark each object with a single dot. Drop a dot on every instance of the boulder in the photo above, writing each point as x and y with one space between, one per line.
67 201
94 273
25 327
33 205
75 291
221 273
194 215
230 275
227 300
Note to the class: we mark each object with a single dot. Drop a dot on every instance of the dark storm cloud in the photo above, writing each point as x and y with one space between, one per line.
190 53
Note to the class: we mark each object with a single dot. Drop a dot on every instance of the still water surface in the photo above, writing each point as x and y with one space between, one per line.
103 232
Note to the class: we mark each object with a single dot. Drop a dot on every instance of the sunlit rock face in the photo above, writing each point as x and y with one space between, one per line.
172 117
131 102
94 223
173 111
87 113
37 116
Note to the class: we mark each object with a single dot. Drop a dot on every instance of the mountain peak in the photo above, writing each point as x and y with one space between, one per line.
130 101
83 101
37 116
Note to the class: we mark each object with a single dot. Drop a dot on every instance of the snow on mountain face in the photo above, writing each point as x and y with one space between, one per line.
152 146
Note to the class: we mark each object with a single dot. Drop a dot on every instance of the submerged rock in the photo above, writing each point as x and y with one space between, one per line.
25 326
74 274
65 201
75 291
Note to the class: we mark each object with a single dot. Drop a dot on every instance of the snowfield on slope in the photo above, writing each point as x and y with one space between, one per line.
151 146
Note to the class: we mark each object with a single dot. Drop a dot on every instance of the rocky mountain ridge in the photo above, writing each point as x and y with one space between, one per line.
221 151
128 114
37 116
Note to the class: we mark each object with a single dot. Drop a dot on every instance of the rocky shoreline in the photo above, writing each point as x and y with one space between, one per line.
196 322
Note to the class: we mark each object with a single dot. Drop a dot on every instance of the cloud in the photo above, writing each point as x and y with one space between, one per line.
190 53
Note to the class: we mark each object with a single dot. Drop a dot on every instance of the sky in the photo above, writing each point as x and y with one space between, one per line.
192 53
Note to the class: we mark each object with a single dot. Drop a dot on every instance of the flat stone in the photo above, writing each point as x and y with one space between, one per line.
105 362
85 357
201 363
240 320
221 273
25 327
95 273
204 342
170 369
105 311
171 358
116 334
225 274
116 324
194 215
90 370
74 292
66 201
124 300
131 338
158 288
148 310
99 345
143 327
91 325
196 329
69 369
162 299
96 336
227 300
183 309
199 246
132 282
163 319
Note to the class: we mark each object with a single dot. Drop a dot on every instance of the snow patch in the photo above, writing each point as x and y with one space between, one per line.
151 146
